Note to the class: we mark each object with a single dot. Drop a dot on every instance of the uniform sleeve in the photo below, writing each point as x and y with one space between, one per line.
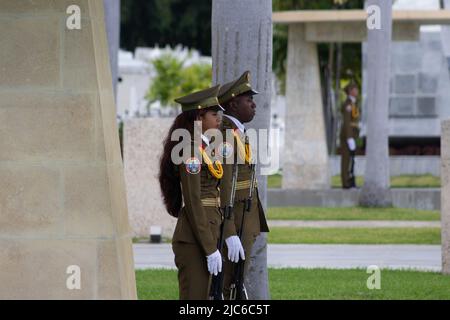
229 227
195 212
347 118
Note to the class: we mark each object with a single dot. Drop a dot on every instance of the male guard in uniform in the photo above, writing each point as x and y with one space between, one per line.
236 98
349 134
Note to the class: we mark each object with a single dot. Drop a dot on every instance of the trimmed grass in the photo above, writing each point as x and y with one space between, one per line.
354 213
317 284
155 284
313 284
285 235
274 181
405 181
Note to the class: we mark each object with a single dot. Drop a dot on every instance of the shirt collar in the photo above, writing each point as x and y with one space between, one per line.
238 124
205 139
352 98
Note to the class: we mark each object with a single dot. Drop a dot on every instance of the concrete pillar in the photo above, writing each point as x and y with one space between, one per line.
112 20
305 152
446 36
141 160
242 40
445 196
376 189
62 197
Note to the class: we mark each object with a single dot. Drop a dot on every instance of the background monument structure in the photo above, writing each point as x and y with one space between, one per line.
242 40
307 28
62 195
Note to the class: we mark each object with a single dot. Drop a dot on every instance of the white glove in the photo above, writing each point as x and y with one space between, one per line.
214 263
235 249
351 144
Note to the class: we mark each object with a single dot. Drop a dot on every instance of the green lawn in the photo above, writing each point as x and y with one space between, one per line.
354 213
286 235
314 284
405 181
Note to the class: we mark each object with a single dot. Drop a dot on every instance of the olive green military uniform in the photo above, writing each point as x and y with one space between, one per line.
350 129
198 227
255 221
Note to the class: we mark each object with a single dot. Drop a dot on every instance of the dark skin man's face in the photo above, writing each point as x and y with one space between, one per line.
242 108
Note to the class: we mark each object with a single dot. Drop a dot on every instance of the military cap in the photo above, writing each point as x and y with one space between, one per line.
235 88
200 100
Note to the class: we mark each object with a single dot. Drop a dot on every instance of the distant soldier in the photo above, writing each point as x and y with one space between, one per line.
349 134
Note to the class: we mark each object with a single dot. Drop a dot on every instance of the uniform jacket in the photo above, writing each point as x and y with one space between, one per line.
255 222
350 120
197 223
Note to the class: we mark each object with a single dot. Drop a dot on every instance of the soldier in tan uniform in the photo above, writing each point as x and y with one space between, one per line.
349 134
237 99
195 183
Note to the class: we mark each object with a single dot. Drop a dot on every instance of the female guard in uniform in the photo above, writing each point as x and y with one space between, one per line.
195 183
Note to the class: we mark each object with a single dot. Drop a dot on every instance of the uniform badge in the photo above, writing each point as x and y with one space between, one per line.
193 165
226 149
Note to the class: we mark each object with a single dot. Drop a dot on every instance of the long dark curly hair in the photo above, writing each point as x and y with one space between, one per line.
169 178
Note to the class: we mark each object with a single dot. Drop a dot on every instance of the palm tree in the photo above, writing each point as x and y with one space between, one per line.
376 189
242 40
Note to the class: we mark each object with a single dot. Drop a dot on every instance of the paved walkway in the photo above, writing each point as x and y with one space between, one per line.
421 257
354 224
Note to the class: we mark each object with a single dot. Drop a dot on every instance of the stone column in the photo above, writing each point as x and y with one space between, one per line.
242 40
376 189
445 196
446 36
305 152
62 197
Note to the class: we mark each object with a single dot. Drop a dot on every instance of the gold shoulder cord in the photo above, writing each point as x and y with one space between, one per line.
244 152
217 173
355 112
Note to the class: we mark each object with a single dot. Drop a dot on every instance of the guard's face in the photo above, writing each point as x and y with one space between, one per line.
210 120
354 92
245 108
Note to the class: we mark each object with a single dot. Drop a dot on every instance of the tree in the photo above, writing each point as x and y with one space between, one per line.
173 79
242 40
166 22
376 189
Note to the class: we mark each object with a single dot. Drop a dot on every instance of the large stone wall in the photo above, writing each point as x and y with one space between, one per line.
62 196
142 149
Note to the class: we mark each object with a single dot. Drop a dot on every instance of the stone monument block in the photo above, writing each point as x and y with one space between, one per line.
426 106
142 150
428 83
402 107
64 231
405 83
